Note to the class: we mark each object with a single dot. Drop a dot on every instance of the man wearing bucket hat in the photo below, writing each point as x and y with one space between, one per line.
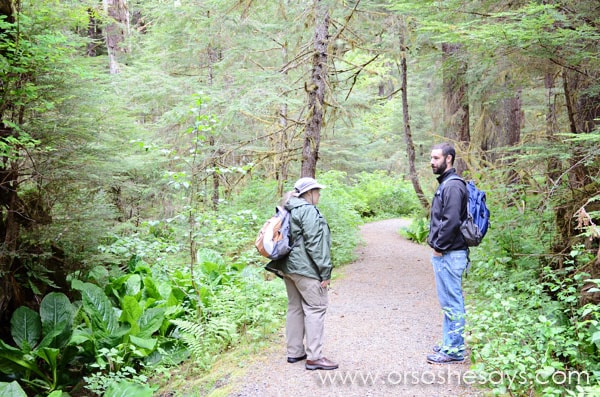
306 272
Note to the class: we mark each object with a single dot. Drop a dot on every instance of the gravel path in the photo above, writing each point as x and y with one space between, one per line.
382 321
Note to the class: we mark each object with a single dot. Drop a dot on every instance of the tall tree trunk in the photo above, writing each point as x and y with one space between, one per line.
213 56
410 147
316 93
503 125
456 100
584 112
8 9
554 166
94 33
283 156
512 122
9 227
282 162
10 230
115 31
214 164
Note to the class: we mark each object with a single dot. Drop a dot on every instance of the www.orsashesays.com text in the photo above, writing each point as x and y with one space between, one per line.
450 377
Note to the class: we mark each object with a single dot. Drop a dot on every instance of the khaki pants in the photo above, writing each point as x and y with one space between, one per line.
307 304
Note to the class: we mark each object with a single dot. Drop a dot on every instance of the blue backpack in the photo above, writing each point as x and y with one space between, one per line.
477 223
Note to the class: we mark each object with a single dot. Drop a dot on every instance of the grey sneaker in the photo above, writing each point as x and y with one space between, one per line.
441 358
437 348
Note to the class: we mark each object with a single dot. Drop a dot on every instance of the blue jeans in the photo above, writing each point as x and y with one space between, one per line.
449 269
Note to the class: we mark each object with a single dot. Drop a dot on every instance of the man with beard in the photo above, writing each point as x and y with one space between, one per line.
450 257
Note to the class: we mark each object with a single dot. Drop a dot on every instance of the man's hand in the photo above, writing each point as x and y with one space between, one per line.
325 283
436 253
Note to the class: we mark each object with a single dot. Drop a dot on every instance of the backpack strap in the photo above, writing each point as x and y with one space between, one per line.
297 242
452 177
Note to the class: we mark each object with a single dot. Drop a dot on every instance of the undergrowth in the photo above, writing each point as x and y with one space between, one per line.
527 331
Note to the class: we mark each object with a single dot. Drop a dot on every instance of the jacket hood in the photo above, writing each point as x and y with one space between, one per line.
295 202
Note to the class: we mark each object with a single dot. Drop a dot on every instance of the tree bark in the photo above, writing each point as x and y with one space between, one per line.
7 8
9 227
584 112
283 157
504 121
316 94
116 31
281 164
94 33
456 100
554 166
214 163
410 147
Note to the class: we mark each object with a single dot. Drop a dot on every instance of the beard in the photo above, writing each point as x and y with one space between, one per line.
439 170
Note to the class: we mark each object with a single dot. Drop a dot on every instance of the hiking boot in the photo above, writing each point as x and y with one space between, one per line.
292 360
322 363
436 348
441 358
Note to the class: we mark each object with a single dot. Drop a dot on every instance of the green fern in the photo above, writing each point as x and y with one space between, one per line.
192 334
205 340
222 332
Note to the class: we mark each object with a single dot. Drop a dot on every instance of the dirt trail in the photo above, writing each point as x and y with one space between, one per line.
382 321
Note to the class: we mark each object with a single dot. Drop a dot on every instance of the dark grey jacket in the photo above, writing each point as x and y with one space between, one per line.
448 210
311 237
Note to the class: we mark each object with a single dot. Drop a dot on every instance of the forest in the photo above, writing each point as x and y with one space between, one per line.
144 142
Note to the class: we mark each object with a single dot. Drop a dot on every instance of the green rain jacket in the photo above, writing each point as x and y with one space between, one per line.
311 238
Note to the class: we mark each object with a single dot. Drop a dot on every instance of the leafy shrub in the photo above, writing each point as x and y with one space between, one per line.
114 332
417 231
258 195
526 336
338 207
127 329
107 381
43 351
143 309
234 302
519 331
379 195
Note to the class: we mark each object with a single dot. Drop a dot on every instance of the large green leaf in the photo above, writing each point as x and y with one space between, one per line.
56 313
12 389
131 312
81 336
128 389
145 343
50 356
133 285
151 290
10 359
97 306
25 328
151 321
55 309
14 362
6 348
49 338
